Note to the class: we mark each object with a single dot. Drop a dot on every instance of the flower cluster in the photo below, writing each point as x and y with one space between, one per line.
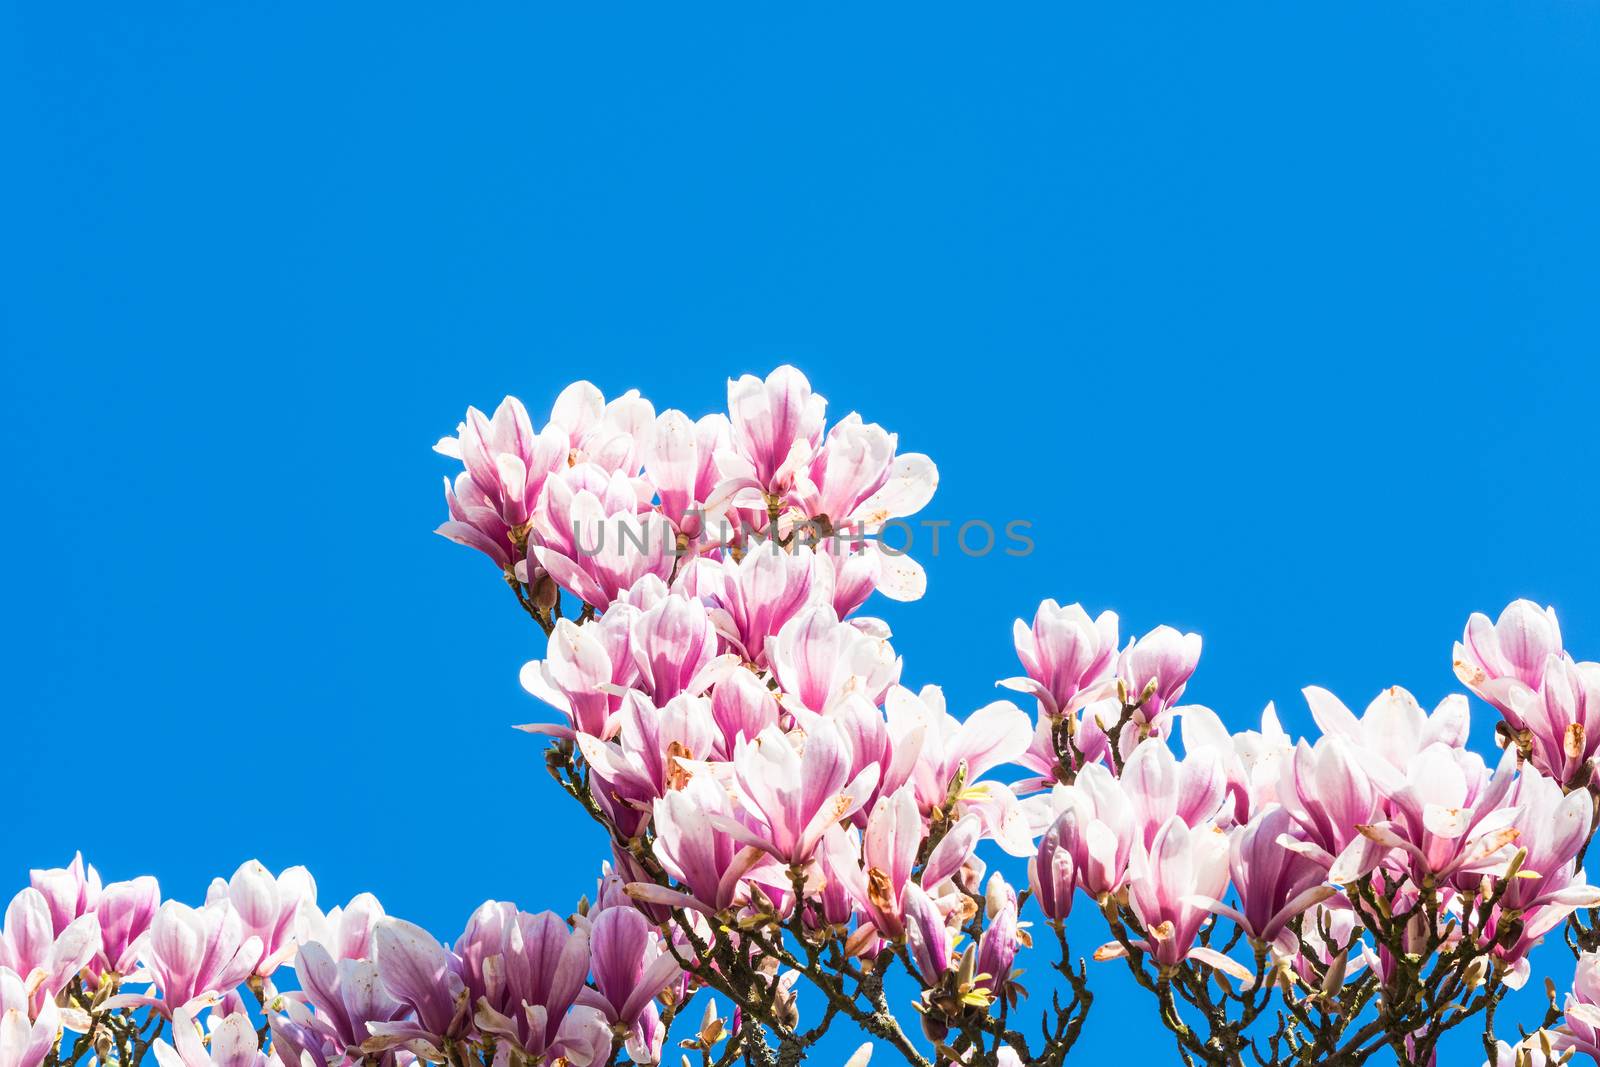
605 494
773 792
798 836
113 972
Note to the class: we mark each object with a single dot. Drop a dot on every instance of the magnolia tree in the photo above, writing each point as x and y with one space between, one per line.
798 841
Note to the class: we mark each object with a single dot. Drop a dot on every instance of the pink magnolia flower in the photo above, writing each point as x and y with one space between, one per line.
506 460
331 1015
1068 657
926 935
584 673
1538 1049
1561 718
894 834
1160 787
707 861
523 973
1167 888
995 734
997 946
232 1043
893 748
854 486
272 909
791 798
71 891
476 523
1252 760
861 566
1492 657
44 960
1053 873
1447 813
615 437
648 757
27 1037
1394 727
819 661
888 850
124 913
631 969
850 467
1330 796
1160 662
195 954
1093 835
680 464
1552 828
777 428
1580 1030
677 650
596 545
423 975
1273 883
345 932
753 598
742 706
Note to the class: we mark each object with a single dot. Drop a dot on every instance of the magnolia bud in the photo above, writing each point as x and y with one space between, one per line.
1333 981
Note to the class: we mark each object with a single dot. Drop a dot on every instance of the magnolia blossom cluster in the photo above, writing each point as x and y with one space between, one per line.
607 493
112 972
1280 828
800 836
745 737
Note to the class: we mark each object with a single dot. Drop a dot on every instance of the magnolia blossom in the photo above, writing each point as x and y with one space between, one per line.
878 884
71 891
1169 884
339 1001
680 462
1447 812
271 909
1580 1029
776 429
1274 884
1091 840
708 861
927 935
1538 1050
1155 670
196 954
584 674
596 543
124 913
232 1043
1493 657
44 960
631 968
751 599
1252 761
790 798
1559 723
1069 658
992 736
819 661
27 1037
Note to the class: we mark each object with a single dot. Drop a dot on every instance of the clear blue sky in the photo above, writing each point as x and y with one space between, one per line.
1279 322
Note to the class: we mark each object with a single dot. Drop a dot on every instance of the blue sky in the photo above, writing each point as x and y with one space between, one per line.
1278 322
